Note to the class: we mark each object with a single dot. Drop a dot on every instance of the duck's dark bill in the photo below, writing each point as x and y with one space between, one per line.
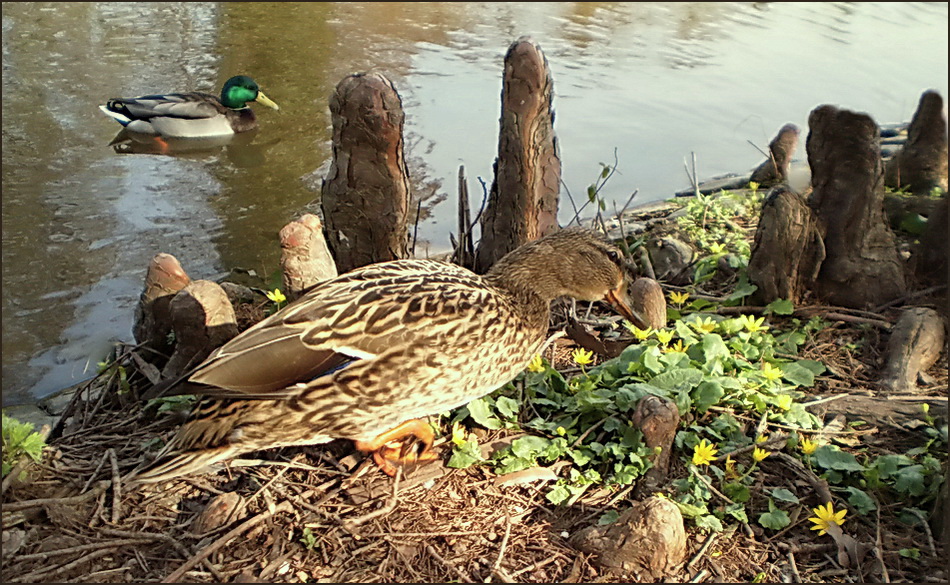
614 298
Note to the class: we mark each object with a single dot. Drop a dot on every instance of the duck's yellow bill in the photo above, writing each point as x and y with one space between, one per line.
264 100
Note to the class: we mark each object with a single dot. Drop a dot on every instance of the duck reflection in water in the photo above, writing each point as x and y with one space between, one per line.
242 149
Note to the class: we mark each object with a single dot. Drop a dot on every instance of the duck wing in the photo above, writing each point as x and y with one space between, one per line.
404 305
188 106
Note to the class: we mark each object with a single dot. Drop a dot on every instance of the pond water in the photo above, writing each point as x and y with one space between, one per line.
642 85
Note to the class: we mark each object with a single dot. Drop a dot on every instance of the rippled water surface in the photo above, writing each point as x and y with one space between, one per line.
642 84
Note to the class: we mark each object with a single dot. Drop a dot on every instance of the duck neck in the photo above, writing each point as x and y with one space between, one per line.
532 306
526 277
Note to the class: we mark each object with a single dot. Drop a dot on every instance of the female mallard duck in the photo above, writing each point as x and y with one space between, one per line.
191 115
364 355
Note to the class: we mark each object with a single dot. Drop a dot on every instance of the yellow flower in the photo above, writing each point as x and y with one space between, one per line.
706 325
761 439
640 334
276 296
679 297
808 447
678 346
717 248
664 336
825 516
731 468
582 357
458 434
771 372
536 364
753 185
752 324
704 453
783 401
760 454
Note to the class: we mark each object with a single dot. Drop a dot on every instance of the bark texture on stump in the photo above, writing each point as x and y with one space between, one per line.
305 258
523 202
365 194
657 418
930 254
921 164
781 150
861 267
647 542
787 250
203 320
163 279
915 344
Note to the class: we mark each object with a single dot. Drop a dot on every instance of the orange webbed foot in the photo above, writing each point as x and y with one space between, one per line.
391 451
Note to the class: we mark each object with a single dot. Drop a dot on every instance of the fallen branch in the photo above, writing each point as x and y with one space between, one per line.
794 566
702 551
48 573
387 508
101 487
532 567
176 576
698 577
109 544
116 487
923 522
910 296
708 484
465 578
496 568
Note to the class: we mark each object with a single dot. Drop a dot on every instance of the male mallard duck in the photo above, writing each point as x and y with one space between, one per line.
364 355
191 115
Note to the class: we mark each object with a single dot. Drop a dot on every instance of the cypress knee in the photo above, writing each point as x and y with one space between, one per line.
523 201
862 267
921 165
787 250
365 194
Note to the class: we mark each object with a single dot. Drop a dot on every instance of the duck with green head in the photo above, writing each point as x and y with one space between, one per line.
364 356
193 114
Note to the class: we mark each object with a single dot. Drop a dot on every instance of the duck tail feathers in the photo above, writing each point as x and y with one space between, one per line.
117 116
171 465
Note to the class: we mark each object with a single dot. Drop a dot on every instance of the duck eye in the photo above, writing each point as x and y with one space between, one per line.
614 256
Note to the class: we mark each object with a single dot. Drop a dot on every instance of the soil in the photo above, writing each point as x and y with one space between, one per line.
326 514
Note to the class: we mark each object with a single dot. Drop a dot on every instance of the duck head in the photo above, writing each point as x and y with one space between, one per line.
574 262
241 89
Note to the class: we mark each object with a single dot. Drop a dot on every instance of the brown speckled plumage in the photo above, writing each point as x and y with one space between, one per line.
380 345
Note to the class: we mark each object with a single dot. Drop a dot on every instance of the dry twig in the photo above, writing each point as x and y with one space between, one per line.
390 505
702 551
100 488
176 576
116 487
496 568
465 577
